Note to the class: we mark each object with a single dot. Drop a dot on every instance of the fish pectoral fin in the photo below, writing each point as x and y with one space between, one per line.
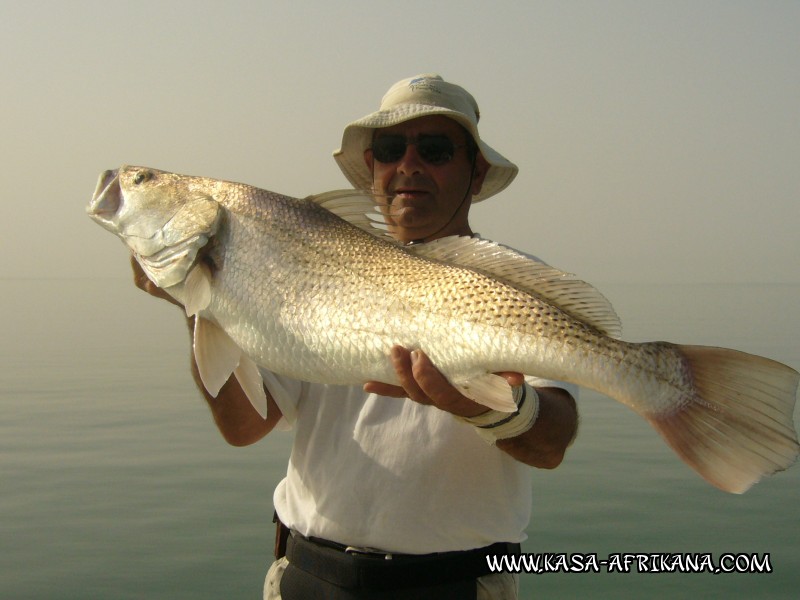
492 391
197 289
216 354
252 383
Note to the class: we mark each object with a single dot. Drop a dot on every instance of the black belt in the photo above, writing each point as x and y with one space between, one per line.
367 575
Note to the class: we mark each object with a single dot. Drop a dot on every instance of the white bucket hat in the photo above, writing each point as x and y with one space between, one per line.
412 98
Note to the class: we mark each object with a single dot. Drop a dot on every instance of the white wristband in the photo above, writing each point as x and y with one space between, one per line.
494 425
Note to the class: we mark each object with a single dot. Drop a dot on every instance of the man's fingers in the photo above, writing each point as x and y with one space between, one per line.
141 281
402 362
513 379
429 379
139 277
384 389
422 382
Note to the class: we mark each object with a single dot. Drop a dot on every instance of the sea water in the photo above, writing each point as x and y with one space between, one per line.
115 484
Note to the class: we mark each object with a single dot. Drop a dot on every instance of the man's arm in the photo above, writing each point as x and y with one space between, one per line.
236 419
543 445
556 426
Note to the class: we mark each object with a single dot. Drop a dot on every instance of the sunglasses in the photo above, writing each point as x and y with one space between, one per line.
433 149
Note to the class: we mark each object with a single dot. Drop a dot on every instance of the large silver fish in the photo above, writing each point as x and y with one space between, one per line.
309 289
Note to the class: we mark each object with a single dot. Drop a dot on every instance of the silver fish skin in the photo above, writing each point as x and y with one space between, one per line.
310 289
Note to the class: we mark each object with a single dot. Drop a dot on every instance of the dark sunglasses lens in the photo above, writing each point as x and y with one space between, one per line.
436 150
389 149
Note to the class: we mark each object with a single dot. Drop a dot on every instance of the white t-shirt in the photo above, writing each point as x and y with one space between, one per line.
394 475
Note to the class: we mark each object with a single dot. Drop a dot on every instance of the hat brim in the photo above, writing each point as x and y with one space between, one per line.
357 137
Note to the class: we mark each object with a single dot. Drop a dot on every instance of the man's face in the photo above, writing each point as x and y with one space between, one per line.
427 199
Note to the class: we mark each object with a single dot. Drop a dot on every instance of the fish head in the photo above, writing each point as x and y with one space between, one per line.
164 218
136 204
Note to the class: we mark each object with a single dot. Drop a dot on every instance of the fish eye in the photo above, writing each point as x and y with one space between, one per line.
141 177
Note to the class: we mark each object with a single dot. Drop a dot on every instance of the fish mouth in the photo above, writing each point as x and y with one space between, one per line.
107 200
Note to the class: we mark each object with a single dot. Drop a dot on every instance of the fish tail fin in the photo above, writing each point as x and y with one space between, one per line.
738 427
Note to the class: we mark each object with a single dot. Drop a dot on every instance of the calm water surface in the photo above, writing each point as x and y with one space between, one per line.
116 485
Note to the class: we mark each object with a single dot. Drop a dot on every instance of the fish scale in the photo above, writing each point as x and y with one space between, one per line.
312 290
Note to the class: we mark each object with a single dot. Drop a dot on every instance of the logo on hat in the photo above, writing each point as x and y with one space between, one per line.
424 83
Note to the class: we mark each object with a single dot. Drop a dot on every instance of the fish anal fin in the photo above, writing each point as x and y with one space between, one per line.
249 377
215 353
492 391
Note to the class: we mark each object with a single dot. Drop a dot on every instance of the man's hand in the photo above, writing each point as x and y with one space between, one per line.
542 446
422 382
143 283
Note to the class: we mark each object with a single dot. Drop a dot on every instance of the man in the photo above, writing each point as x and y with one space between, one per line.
393 491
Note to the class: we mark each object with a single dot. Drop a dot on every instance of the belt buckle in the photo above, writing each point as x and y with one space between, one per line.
368 552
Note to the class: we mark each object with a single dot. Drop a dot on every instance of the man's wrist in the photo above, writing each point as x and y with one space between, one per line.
494 425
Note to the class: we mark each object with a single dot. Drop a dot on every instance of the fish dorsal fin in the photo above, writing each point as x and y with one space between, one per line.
357 207
576 297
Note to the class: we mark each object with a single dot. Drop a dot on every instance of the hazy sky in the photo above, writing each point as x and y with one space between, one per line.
655 140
